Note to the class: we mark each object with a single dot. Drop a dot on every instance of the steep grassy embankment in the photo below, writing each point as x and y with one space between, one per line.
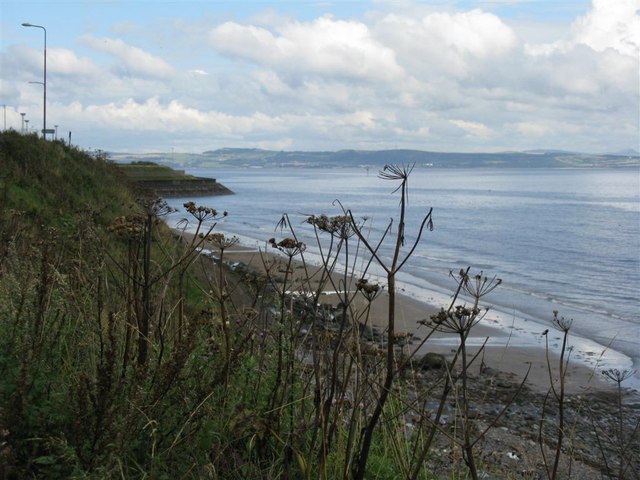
97 321
51 183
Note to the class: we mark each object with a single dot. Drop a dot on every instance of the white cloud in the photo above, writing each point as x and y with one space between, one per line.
609 24
594 77
479 34
132 60
446 43
321 47
154 115
272 83
65 62
536 129
475 129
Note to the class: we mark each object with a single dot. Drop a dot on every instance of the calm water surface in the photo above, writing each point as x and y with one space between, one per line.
566 240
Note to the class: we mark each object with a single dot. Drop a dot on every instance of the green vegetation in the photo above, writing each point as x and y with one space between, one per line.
142 170
102 363
52 183
124 353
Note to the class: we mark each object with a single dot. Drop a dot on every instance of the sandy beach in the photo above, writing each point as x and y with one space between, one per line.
508 358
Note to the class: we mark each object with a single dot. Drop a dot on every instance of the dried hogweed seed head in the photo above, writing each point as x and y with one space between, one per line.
288 246
561 323
618 376
339 226
369 290
200 212
222 242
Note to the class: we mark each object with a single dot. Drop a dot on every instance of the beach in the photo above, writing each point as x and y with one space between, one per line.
503 355
521 226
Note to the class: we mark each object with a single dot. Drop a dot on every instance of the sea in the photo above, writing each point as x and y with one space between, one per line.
565 240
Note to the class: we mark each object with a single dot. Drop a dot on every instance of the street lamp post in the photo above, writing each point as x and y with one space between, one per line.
27 127
44 83
56 134
22 114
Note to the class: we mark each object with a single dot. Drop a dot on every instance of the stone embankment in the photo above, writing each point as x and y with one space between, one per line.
163 181
197 187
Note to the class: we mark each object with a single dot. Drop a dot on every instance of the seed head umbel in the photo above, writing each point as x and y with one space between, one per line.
369 290
289 246
339 226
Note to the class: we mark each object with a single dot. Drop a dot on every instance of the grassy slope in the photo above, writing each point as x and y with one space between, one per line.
51 182
77 398
67 313
150 171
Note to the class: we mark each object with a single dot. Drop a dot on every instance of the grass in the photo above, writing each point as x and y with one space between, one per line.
152 172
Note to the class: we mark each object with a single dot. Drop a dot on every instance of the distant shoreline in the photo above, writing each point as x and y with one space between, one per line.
251 157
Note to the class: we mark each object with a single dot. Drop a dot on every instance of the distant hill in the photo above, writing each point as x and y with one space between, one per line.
251 157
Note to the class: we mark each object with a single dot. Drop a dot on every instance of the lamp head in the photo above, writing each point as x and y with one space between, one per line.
27 25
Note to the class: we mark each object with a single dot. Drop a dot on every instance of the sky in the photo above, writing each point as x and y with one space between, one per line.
149 76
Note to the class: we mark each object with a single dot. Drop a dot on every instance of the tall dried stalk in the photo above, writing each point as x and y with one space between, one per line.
401 174
558 393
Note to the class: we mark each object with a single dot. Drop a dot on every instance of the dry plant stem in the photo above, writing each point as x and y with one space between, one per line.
560 399
445 392
393 173
460 320
407 360
619 440
354 419
222 301
363 454
332 386
285 346
603 452
623 443
464 333
559 396
432 431
185 261
328 421
281 326
468 448
143 325
334 380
